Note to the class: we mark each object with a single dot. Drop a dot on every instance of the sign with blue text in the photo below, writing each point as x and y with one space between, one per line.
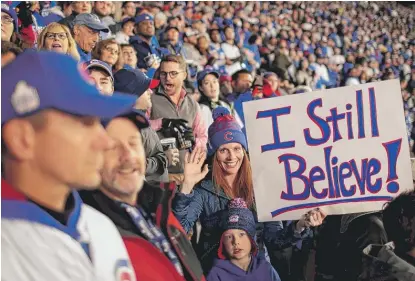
343 150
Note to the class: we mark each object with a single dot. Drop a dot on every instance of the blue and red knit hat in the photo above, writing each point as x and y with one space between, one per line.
223 130
238 216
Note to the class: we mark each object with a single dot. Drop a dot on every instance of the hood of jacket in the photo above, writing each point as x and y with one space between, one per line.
259 269
381 262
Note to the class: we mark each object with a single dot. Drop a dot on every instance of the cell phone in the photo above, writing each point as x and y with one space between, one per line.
168 143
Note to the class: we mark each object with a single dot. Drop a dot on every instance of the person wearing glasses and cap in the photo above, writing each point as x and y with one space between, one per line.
8 22
86 30
53 143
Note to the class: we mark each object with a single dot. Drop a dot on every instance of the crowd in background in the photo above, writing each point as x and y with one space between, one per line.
190 67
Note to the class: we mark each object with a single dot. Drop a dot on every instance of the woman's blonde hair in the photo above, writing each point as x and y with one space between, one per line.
97 52
243 186
72 50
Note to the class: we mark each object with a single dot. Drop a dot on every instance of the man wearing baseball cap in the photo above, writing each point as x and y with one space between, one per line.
52 144
86 30
8 22
143 43
100 75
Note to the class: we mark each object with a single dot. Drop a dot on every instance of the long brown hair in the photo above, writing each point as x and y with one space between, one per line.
243 185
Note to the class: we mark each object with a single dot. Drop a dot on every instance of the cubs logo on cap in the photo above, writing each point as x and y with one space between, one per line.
234 218
25 98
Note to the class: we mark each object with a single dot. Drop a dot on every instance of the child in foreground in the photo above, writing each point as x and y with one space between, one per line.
238 258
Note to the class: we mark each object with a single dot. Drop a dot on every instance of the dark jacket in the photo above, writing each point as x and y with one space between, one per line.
259 269
381 263
148 262
143 50
69 20
340 242
156 168
204 203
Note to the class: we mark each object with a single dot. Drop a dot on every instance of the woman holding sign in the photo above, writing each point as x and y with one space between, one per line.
204 195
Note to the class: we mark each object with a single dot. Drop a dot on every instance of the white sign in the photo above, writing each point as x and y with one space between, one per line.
344 150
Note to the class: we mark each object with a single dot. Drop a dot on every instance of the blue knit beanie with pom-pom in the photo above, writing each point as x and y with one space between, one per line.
223 130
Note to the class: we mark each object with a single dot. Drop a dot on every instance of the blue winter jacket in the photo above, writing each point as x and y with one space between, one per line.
205 203
259 269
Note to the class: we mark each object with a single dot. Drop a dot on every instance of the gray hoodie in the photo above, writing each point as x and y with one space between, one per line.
382 264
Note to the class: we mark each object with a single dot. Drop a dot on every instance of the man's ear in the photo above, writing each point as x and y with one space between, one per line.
19 138
76 30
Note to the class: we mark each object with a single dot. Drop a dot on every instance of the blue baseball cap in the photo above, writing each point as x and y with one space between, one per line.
124 21
202 74
35 81
133 82
90 20
101 65
10 11
143 17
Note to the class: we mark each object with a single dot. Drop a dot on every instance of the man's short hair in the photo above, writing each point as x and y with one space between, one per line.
235 76
124 4
126 46
398 220
7 47
175 58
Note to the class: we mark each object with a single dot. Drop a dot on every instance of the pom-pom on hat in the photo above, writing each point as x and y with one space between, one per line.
238 216
223 130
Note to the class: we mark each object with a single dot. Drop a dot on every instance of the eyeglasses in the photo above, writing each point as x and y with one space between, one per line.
61 36
172 74
111 50
6 19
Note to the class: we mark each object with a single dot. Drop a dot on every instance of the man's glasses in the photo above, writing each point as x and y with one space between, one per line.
172 74
61 36
6 19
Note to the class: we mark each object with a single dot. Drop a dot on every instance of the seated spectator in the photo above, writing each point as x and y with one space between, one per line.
216 50
395 260
128 10
190 53
273 81
238 251
208 84
100 74
127 31
233 55
241 83
78 7
203 194
129 56
137 83
53 144
9 51
109 52
226 85
103 10
8 22
171 40
56 37
86 28
173 107
157 245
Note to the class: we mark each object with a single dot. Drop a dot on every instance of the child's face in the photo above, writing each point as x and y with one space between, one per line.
237 243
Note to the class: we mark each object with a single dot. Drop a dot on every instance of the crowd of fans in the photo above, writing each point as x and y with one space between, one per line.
167 81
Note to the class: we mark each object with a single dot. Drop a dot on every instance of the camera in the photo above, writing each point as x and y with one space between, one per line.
183 137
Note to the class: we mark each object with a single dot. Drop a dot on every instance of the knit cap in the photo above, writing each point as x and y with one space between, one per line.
224 129
238 216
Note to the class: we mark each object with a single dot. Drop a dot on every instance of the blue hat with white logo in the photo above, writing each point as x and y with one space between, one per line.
35 81
143 17
90 20
202 74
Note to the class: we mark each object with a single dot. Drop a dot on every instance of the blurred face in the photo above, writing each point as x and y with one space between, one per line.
102 81
172 77
230 157
128 28
229 34
146 28
215 36
129 56
144 101
56 40
6 26
274 82
172 36
243 83
82 7
86 37
237 244
129 9
210 87
202 43
110 53
124 164
102 8
70 149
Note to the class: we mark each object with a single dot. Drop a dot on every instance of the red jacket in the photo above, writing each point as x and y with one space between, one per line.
148 262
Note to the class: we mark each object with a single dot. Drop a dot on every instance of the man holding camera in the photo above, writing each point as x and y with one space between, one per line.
176 114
